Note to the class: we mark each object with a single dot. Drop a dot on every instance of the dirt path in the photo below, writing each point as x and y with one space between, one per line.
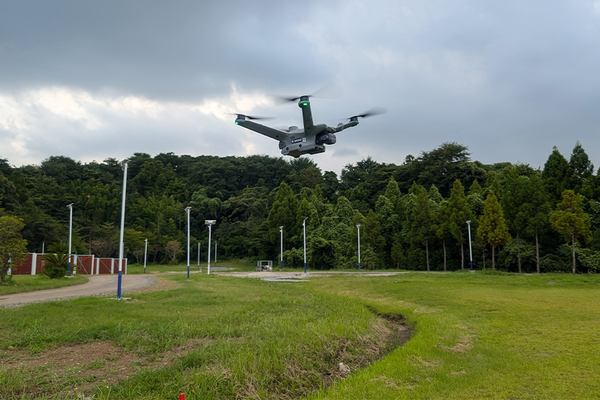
97 285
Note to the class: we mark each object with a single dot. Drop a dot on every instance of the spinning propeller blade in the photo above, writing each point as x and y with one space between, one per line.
286 99
370 113
238 115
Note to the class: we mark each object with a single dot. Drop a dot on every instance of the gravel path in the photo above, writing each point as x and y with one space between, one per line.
97 285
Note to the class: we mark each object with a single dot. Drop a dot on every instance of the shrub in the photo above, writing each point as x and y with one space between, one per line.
589 258
553 263
56 265
294 257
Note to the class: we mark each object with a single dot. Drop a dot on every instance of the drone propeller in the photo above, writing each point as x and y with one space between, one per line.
250 116
285 99
370 113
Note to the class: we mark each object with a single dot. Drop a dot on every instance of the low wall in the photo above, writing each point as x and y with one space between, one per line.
86 264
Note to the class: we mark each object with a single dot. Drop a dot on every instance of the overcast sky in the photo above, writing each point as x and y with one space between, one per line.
99 79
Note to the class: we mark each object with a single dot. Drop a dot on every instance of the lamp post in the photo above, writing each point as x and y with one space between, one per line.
187 212
209 223
198 255
304 236
280 246
70 207
470 247
216 250
358 231
145 253
120 277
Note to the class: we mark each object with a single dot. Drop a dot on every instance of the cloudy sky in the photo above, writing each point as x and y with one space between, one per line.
98 79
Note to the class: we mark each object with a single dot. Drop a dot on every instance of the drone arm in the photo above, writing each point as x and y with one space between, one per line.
262 129
341 127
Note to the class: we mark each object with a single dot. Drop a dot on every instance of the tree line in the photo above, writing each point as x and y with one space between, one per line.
412 215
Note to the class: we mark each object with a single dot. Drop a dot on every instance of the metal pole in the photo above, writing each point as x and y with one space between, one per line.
281 246
198 255
209 239
304 234
187 211
120 278
145 253
70 207
43 247
358 228
216 248
470 246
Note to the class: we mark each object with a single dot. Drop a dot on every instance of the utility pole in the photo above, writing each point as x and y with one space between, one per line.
198 255
120 278
209 223
470 246
145 253
358 229
70 207
281 247
304 235
187 211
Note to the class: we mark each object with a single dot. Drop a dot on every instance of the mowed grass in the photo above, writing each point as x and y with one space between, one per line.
476 336
29 283
481 336
241 338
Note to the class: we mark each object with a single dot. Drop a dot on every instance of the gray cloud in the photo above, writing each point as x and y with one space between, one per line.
508 79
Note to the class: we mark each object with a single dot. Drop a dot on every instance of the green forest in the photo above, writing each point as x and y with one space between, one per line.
412 215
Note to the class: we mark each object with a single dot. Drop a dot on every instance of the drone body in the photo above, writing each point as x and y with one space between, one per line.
295 141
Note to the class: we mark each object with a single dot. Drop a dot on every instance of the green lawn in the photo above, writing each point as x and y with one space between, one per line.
475 336
29 283
481 336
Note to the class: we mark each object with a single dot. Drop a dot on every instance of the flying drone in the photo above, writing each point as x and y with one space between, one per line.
295 141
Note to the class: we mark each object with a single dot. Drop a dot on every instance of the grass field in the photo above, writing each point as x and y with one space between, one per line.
29 283
475 336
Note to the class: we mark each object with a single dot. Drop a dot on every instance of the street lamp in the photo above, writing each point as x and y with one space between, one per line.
470 247
358 229
70 207
199 256
280 246
145 252
187 212
216 249
120 278
304 234
209 223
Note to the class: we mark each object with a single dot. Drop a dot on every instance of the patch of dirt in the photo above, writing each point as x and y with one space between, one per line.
159 285
464 344
89 364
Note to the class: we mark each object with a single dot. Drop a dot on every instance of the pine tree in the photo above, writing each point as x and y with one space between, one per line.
556 174
571 221
423 220
492 229
580 166
458 212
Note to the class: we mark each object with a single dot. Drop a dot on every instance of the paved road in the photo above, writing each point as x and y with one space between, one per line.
97 285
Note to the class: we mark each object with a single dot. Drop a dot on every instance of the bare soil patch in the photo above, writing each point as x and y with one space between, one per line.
89 364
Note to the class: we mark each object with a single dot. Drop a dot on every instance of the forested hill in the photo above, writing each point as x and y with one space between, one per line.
412 215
